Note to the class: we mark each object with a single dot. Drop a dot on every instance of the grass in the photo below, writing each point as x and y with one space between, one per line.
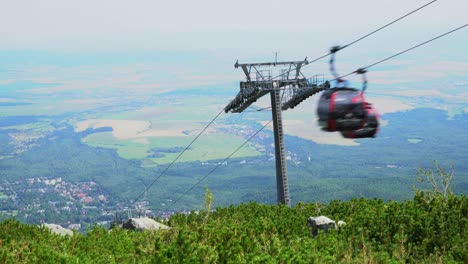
125 148
208 147
172 118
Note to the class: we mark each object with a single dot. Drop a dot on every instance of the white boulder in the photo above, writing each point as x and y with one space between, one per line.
57 229
322 223
143 223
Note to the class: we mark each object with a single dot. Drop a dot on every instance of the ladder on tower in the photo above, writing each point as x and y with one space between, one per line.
281 168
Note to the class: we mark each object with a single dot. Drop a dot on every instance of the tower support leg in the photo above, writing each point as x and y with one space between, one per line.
281 171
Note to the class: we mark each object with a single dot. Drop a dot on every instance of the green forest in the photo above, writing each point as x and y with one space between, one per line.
430 228
333 172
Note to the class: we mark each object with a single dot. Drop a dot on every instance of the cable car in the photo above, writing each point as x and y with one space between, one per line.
369 128
341 109
345 109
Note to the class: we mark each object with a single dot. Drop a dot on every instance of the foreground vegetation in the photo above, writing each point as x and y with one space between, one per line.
423 230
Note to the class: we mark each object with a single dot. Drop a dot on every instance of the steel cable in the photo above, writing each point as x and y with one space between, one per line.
217 166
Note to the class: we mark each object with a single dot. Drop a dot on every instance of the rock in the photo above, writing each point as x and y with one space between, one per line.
143 223
341 224
57 229
320 222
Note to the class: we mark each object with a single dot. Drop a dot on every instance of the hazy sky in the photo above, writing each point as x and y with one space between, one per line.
247 30
213 24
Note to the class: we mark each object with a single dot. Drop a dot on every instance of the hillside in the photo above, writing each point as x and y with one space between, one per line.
89 181
421 230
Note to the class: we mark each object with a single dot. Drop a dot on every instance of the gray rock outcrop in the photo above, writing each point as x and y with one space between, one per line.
322 223
57 229
143 223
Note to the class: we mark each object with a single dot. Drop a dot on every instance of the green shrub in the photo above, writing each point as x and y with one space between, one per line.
417 231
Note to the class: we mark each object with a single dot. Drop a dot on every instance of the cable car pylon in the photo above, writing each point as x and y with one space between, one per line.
287 90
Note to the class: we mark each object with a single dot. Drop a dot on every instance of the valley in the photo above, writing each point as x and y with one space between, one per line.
118 127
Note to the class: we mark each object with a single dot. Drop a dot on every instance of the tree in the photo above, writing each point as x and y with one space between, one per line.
439 180
208 202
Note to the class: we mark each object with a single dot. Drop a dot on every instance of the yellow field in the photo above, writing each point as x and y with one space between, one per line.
134 129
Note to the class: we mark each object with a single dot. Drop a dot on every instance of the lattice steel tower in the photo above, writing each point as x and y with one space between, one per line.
287 89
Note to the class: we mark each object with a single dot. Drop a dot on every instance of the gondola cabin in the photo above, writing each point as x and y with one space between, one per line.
341 109
345 109
370 126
